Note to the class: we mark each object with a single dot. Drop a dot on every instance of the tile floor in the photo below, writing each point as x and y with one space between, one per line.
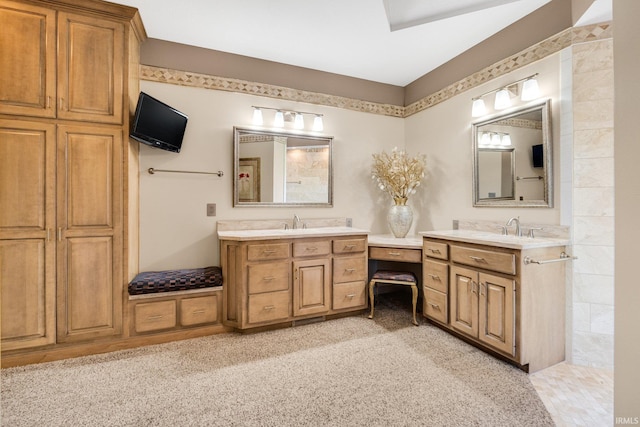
576 395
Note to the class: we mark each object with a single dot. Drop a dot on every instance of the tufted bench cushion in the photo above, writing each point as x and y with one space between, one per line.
175 280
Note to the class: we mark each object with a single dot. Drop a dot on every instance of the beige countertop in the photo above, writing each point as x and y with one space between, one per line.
390 241
495 239
242 235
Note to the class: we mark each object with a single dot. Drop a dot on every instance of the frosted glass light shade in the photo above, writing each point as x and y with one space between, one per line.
279 120
485 139
257 116
317 124
495 139
298 122
506 140
502 99
530 90
478 108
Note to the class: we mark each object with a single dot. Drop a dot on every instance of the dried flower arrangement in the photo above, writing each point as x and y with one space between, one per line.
398 174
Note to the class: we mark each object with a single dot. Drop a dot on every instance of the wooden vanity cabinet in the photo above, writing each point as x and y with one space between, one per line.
489 296
268 282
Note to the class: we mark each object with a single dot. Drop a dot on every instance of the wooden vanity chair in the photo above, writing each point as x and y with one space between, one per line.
395 278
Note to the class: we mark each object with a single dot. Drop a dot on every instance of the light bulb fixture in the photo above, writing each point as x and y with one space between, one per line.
503 100
478 108
279 119
530 89
257 116
318 125
504 94
485 139
505 141
495 139
282 116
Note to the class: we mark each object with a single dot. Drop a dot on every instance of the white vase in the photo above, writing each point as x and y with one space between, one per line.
400 217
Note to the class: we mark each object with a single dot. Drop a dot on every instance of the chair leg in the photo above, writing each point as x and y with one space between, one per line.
371 285
414 294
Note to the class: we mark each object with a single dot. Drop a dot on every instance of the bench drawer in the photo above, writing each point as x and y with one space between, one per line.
395 254
269 277
487 259
349 295
261 252
154 316
198 310
435 275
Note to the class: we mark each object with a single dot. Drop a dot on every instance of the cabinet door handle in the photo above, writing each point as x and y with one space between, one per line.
269 307
48 234
156 317
482 286
349 270
434 276
268 251
474 286
59 234
434 251
351 296
436 306
477 258
198 311
394 253
312 248
62 104
48 102
268 278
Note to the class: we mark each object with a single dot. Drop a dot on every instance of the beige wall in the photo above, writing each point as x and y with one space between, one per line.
626 43
443 133
174 229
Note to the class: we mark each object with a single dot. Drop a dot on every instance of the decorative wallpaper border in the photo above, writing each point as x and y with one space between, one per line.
534 53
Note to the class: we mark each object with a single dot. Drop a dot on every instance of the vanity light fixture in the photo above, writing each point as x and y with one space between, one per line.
505 141
282 116
530 91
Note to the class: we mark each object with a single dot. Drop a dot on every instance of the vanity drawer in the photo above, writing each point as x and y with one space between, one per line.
345 246
435 305
154 316
435 275
269 306
349 269
487 259
303 249
433 249
269 277
268 251
349 295
395 254
198 310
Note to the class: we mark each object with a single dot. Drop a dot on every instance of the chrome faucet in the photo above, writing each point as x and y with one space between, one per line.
296 221
517 221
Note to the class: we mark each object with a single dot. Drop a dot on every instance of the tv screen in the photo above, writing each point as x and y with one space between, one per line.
536 151
157 124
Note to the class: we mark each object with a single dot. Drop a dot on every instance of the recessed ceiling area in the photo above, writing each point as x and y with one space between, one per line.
351 38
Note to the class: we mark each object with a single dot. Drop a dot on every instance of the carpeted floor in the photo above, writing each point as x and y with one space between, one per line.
345 372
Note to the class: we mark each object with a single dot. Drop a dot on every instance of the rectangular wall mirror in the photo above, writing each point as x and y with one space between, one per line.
273 168
512 159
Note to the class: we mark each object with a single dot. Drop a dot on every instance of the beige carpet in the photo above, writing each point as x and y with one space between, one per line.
345 372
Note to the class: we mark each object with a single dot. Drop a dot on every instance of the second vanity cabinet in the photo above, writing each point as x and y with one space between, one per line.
274 281
492 297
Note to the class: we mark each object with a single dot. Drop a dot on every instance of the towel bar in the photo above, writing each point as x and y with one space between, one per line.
563 257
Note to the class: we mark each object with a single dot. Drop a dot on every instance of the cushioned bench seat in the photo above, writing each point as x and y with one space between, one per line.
175 280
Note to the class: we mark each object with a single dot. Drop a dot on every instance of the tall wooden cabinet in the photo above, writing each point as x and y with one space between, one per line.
68 79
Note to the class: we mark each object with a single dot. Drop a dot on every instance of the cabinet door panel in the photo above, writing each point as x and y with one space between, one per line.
496 312
28 294
311 290
464 301
90 69
90 303
27 43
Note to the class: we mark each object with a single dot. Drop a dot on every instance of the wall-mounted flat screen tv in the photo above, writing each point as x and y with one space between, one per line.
537 155
157 124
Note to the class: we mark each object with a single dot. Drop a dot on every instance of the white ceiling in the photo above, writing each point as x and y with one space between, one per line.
349 37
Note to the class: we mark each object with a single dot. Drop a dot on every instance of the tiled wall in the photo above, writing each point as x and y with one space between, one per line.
593 204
